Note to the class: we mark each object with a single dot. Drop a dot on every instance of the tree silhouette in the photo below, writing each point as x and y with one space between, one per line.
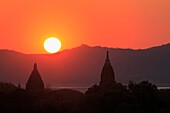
146 95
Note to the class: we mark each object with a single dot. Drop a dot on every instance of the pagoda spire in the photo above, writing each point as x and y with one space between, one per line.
107 57
35 65
107 74
35 82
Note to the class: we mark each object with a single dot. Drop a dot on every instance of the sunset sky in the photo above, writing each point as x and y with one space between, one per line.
25 24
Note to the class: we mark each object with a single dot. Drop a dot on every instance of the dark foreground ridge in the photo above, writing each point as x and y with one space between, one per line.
107 97
142 97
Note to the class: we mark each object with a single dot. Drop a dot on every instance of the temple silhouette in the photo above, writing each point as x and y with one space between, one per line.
35 83
107 74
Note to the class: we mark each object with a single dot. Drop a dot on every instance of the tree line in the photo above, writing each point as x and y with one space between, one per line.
143 97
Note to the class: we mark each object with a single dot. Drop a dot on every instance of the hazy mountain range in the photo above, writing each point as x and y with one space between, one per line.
81 66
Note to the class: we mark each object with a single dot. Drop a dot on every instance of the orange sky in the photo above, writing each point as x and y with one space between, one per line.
25 24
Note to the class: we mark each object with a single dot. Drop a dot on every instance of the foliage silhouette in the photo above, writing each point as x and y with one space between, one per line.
143 97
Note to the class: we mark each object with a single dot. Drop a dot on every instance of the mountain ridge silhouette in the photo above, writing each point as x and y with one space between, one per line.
81 66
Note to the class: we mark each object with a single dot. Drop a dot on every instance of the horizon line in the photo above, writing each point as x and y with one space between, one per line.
135 49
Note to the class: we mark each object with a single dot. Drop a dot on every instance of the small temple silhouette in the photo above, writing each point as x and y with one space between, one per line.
35 82
107 74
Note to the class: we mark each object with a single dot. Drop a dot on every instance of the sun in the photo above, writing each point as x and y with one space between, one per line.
52 45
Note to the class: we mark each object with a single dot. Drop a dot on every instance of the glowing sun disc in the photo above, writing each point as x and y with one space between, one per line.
52 45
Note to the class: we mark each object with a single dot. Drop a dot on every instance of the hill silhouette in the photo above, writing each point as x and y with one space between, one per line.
81 66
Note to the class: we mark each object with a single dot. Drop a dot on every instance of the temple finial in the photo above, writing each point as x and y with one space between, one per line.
107 56
35 65
107 74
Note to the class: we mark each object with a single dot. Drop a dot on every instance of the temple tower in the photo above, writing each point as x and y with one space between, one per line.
35 82
107 74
